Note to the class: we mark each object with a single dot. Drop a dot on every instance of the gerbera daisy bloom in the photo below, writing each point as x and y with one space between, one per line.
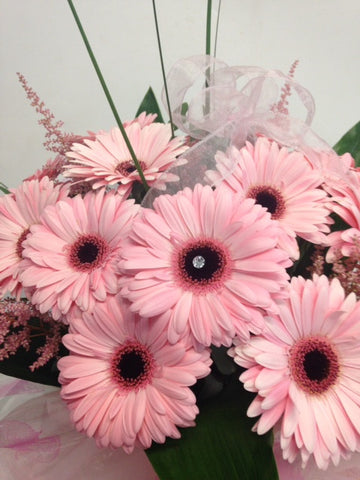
206 259
346 204
18 211
305 369
106 161
143 119
281 181
70 258
124 383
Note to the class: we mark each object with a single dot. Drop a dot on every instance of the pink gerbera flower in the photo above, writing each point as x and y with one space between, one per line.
18 211
124 383
305 369
346 204
281 181
208 261
70 258
106 161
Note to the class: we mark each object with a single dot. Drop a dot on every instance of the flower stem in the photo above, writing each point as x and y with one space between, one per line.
208 28
208 52
163 69
107 94
217 28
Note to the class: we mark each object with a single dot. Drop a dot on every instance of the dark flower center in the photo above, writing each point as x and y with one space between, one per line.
201 263
88 252
314 364
132 365
128 167
19 243
269 198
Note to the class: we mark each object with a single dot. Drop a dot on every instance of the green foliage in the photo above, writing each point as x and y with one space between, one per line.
221 446
149 104
350 142
3 188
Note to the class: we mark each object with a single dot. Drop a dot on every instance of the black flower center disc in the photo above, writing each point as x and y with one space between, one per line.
269 198
200 264
88 252
314 364
132 365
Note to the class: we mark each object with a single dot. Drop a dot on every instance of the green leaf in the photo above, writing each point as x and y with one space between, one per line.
150 105
350 142
221 446
3 188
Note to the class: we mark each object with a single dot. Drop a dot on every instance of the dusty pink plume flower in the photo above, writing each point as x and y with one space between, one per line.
208 261
345 269
56 140
70 259
281 181
124 384
283 103
19 323
305 369
19 210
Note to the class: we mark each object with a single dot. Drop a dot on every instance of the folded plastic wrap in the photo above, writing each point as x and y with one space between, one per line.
38 442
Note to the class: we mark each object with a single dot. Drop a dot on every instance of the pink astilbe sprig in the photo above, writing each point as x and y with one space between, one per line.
282 105
345 269
20 323
55 139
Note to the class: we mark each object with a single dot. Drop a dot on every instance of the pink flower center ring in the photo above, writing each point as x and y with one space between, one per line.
202 265
19 243
128 167
270 198
88 252
132 365
314 364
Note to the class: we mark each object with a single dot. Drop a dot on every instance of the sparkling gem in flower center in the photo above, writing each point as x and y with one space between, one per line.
202 265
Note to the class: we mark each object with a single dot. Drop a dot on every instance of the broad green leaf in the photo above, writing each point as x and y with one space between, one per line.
350 142
220 446
149 104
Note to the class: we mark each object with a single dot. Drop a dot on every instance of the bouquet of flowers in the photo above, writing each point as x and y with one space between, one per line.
199 273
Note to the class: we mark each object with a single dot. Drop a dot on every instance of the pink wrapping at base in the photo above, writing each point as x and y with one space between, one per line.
38 442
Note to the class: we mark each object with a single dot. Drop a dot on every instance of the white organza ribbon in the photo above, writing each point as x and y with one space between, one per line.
247 99
220 106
